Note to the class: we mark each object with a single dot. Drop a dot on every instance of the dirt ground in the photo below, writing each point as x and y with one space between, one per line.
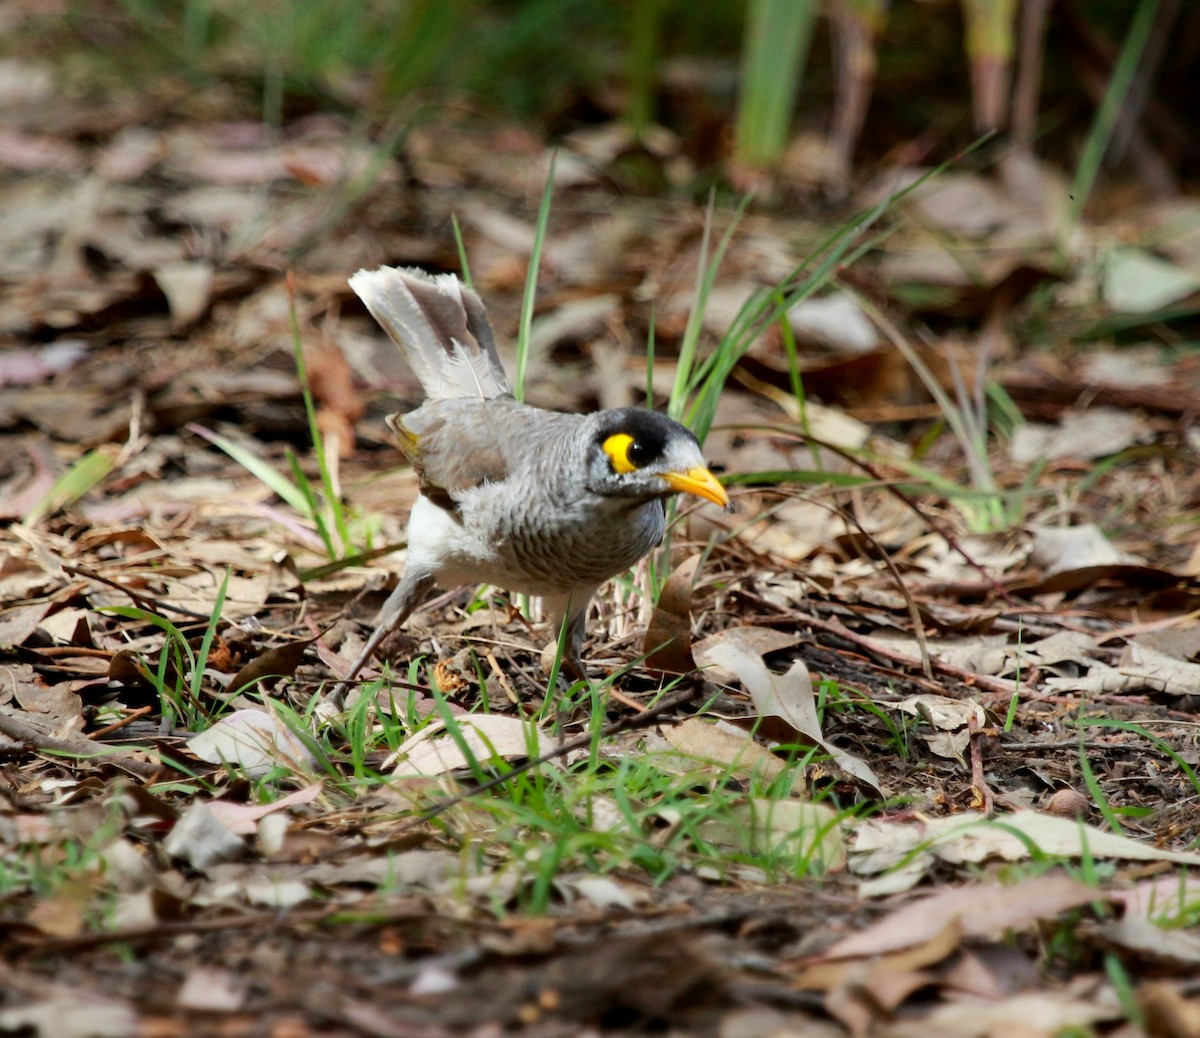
930 722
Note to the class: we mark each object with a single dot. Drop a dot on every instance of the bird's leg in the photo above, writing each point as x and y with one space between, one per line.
409 594
573 609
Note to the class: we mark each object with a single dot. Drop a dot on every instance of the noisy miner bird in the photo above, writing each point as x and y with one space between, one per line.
529 500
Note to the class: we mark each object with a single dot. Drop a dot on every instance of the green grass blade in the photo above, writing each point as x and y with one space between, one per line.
774 51
332 501
81 477
260 468
1109 111
531 280
460 245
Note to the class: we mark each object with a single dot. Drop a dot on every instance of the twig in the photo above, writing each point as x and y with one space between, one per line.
133 715
933 524
967 677
152 605
79 748
978 779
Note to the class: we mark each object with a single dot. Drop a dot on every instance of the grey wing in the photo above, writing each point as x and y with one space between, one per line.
453 446
440 326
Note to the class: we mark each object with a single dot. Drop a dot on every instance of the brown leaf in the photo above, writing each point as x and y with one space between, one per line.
981 910
787 696
668 641
279 662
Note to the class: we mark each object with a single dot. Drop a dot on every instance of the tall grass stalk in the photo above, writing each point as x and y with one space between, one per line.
774 52
525 331
645 27
1105 121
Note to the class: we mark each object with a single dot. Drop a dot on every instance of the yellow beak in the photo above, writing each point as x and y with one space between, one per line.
698 481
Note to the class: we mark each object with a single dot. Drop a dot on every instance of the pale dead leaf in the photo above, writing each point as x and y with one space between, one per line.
951 719
805 833
1176 948
1161 897
981 910
81 1014
1136 282
201 840
605 892
788 696
722 744
21 367
253 740
989 654
1058 549
758 640
54 710
836 321
187 284
971 838
1030 1015
1098 432
20 621
243 819
967 204
1141 668
432 751
212 990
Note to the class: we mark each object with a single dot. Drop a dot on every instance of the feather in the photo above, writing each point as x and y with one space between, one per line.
441 328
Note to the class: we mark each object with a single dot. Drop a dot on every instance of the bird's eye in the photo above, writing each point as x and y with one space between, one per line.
625 453
638 454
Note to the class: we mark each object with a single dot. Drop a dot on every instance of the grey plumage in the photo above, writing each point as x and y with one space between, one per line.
529 500
441 327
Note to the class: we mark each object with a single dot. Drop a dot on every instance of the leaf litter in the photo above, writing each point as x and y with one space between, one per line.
889 815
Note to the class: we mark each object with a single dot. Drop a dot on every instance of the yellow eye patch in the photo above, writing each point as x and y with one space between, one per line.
617 448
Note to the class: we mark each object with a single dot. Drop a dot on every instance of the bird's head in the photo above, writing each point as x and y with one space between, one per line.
636 453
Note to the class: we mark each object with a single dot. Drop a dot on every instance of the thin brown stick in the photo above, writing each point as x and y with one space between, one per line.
967 677
79 748
133 715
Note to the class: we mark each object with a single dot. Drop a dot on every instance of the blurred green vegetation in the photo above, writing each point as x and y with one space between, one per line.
559 64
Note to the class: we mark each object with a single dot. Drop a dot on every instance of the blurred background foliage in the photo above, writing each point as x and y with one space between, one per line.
736 80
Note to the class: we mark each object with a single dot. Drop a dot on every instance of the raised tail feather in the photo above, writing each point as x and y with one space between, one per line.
441 328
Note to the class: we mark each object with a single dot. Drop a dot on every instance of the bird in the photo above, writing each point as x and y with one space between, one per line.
539 502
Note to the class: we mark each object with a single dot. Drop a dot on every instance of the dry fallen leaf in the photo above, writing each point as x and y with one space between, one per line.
432 751
804 833
951 720
253 740
788 696
201 840
668 640
981 910
970 837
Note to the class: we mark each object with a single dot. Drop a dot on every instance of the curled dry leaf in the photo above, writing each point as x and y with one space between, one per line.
253 740
280 661
971 837
807 834
187 284
787 696
668 641
951 720
433 751
201 840
1141 668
